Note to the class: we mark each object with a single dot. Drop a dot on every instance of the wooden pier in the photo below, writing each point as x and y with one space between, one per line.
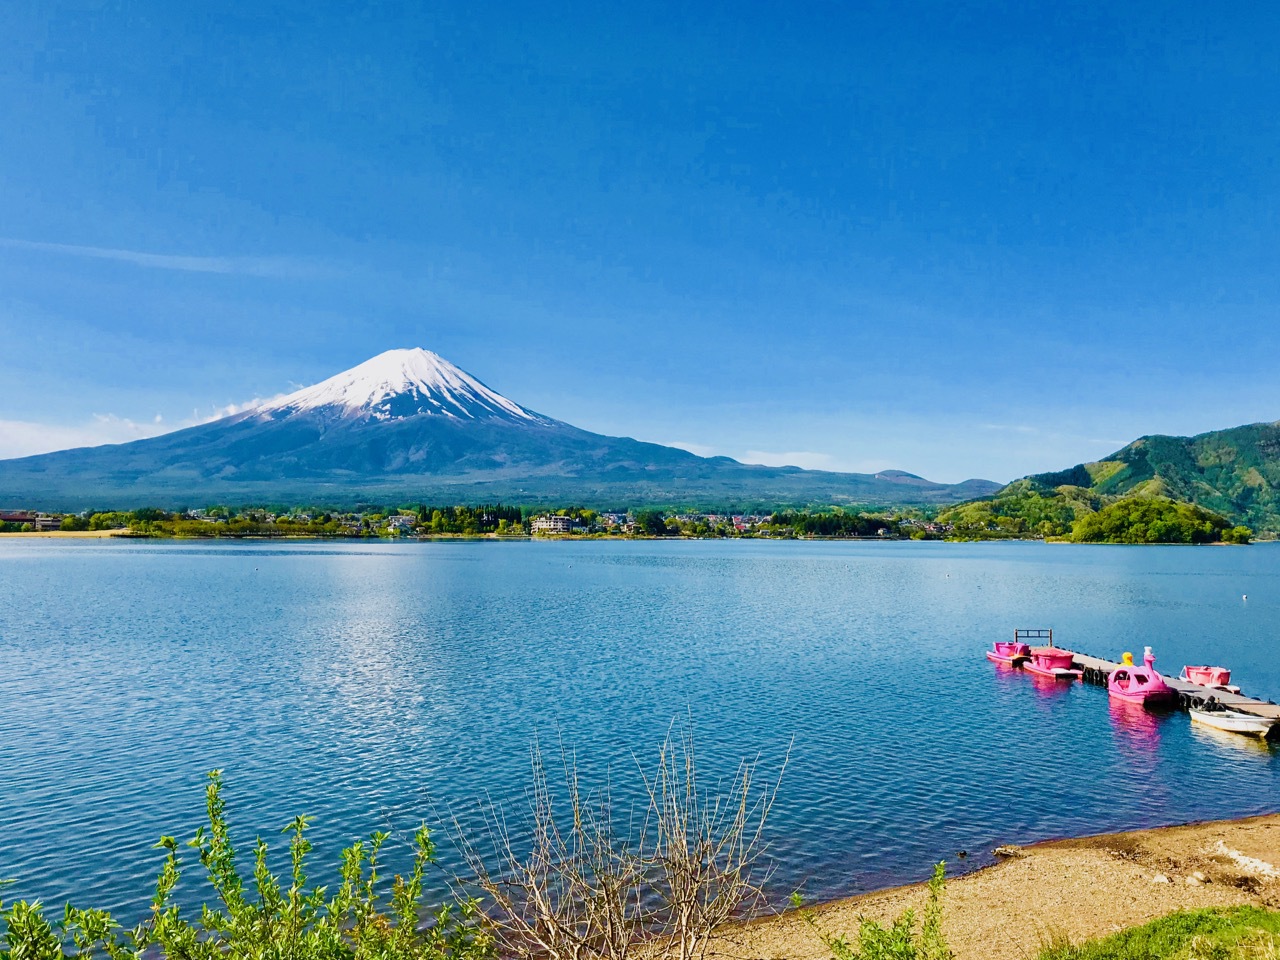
1096 670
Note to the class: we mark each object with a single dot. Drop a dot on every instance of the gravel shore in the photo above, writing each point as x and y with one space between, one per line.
1081 889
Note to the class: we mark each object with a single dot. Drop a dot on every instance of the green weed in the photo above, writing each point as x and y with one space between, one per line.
898 941
264 916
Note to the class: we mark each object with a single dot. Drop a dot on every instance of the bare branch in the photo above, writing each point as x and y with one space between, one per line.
575 885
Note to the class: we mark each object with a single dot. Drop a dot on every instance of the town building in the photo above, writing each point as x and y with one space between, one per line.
551 524
38 521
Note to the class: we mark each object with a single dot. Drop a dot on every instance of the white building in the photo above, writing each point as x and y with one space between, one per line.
551 525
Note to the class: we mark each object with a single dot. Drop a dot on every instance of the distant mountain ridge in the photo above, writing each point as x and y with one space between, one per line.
408 425
1234 473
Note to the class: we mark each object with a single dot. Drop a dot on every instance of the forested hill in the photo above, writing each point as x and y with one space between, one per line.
1234 472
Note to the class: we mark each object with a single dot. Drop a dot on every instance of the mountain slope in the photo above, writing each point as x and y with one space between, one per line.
397 385
1234 473
409 425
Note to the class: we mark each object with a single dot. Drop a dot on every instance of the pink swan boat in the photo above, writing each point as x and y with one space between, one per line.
1053 662
1135 684
1009 652
1216 678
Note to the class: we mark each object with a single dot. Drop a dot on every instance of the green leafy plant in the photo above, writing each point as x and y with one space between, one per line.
900 940
263 916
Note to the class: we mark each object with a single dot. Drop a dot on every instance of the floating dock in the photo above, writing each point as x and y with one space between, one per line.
1096 670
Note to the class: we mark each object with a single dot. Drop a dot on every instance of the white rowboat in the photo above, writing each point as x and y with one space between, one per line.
1234 721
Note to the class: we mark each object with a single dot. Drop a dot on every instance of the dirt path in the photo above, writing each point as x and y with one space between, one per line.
1080 889
63 534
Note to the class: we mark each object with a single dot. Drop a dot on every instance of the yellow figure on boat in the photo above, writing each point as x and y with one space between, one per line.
1127 659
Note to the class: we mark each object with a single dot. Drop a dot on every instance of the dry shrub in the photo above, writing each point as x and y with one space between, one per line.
580 880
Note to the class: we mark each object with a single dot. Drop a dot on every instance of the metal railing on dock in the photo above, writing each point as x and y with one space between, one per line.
1034 636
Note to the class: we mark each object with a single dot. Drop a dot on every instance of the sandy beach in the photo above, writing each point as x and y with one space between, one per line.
1080 889
66 534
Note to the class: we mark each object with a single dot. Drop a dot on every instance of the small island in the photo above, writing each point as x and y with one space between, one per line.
1072 514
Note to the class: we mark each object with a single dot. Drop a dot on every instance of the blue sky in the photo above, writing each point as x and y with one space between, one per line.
959 239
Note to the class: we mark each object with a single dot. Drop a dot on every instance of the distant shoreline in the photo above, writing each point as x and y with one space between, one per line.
561 538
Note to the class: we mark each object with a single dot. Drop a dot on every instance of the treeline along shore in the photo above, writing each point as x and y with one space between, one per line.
485 520
1133 520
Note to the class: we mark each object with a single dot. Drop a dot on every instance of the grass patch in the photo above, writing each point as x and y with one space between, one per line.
1241 933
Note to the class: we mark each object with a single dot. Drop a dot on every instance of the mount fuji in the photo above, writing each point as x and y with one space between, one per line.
400 384
408 425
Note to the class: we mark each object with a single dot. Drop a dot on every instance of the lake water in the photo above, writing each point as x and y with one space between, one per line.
381 684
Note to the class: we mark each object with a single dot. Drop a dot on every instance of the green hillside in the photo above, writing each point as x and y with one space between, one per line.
1233 474
1022 509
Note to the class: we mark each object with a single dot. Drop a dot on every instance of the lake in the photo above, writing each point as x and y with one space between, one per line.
380 684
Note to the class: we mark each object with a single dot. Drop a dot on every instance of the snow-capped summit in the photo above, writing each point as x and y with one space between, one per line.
409 426
399 384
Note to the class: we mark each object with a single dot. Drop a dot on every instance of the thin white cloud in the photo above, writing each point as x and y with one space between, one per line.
808 459
1010 428
21 438
1050 435
251 266
24 438
700 449
230 410
871 466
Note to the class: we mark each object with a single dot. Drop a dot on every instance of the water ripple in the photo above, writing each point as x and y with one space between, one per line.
381 685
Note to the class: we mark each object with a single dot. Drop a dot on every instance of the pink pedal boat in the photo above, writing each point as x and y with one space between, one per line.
1010 653
1143 684
1053 662
1216 678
